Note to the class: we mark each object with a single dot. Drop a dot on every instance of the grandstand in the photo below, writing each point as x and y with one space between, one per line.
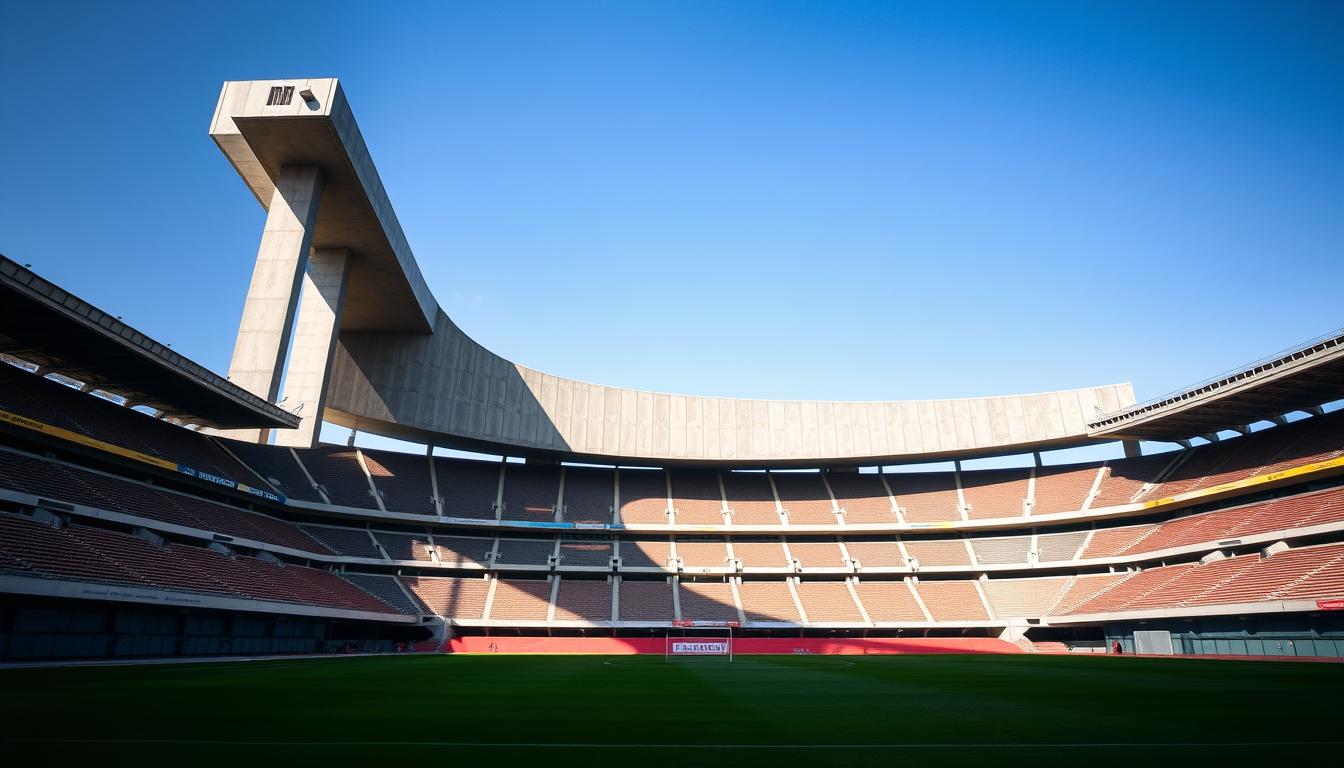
137 486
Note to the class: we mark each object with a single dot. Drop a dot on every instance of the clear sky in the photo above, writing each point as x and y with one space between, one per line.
828 200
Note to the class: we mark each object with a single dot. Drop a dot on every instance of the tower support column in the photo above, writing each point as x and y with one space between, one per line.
315 334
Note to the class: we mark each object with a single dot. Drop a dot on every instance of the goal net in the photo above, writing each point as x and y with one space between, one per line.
700 640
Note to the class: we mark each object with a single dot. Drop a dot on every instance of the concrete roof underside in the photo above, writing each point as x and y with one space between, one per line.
45 325
1298 380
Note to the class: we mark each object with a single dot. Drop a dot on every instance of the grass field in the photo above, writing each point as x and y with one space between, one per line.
643 711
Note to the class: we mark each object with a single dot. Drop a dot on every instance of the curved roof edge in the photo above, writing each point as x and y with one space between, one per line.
389 376
445 389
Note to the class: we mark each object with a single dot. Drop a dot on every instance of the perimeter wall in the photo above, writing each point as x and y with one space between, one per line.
741 646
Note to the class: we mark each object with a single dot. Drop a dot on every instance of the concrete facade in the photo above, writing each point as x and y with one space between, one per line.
400 367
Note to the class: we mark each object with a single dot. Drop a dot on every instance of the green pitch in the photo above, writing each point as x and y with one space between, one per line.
643 711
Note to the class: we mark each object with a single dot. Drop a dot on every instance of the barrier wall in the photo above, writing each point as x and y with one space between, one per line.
741 646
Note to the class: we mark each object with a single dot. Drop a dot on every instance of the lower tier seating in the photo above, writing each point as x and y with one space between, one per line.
768 601
825 601
583 600
456 598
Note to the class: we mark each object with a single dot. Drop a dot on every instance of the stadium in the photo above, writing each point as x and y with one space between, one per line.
715 578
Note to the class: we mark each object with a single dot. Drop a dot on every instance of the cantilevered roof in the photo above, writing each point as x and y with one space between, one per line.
46 325
402 368
1298 379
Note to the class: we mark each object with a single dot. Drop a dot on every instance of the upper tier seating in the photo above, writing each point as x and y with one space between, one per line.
580 553
1063 489
93 554
337 471
1124 479
644 497
862 496
877 554
938 551
804 498
1058 547
704 601
818 553
589 495
696 497
1268 450
530 492
463 550
1000 550
458 598
768 601
53 403
405 546
1109 542
995 492
403 481
697 554
889 601
645 553
277 465
767 553
925 497
751 501
351 542
64 482
646 601
825 601
952 600
583 600
1278 514
521 600
1281 514
524 551
469 488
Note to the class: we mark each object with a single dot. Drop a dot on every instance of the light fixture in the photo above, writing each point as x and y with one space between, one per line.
307 95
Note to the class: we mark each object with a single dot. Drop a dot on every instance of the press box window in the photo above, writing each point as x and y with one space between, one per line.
280 96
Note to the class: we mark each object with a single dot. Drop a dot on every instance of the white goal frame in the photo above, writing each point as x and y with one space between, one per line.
706 633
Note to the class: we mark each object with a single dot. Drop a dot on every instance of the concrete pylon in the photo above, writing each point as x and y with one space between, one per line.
315 335
268 315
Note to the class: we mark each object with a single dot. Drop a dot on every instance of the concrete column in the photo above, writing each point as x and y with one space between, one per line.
315 335
268 315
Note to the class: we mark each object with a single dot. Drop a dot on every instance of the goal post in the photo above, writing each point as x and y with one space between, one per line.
700 639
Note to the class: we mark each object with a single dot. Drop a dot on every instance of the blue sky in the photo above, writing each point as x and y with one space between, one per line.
827 200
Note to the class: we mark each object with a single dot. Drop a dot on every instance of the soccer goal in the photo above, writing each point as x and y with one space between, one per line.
700 639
